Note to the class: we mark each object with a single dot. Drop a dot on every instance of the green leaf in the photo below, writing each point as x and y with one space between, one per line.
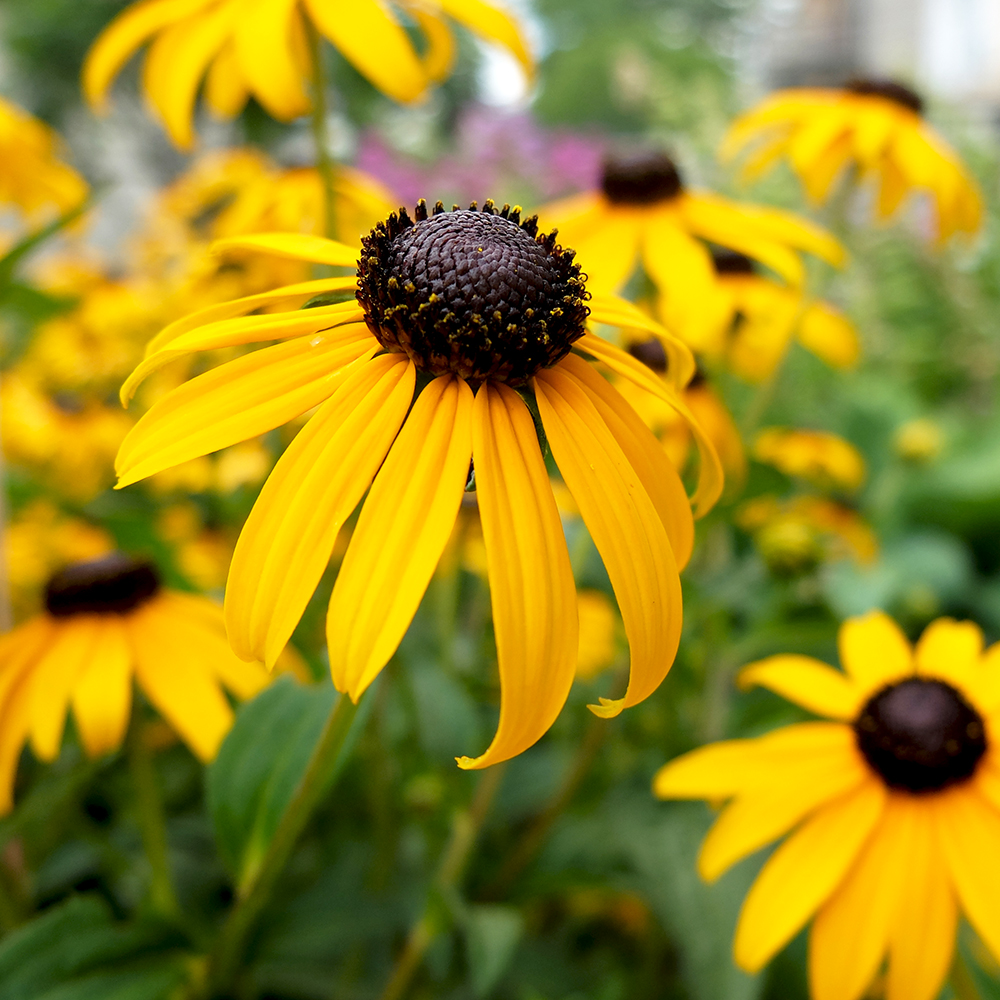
155 983
972 957
491 936
261 762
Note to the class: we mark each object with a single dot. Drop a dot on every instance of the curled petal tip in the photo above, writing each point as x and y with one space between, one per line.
608 708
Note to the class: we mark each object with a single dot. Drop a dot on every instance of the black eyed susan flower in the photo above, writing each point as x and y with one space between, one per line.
644 213
468 325
819 457
259 48
106 622
873 125
893 808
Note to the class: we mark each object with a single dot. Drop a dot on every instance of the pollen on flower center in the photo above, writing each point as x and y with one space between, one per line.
114 584
890 90
476 293
640 179
920 735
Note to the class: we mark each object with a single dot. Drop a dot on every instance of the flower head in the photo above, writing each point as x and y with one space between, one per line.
106 621
875 126
892 808
259 47
466 322
819 457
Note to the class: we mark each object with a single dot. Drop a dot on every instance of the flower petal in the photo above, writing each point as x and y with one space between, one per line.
225 92
492 24
294 246
803 872
102 694
605 239
401 532
830 335
807 682
874 651
239 400
531 581
286 542
625 527
950 650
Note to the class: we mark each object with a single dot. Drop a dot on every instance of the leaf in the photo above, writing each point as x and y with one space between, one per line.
491 937
261 762
972 959
156 983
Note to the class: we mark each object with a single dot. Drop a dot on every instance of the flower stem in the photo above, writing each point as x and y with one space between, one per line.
465 830
321 131
254 894
152 823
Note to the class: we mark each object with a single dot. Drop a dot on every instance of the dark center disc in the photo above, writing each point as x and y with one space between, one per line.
641 179
920 735
731 262
479 294
114 584
888 89
651 353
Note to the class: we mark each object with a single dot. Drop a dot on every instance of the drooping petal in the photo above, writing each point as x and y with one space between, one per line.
439 56
401 532
922 937
950 650
531 581
808 683
874 651
286 542
626 529
803 872
710 476
225 92
294 246
829 334
606 241
238 400
102 694
374 43
492 24
187 696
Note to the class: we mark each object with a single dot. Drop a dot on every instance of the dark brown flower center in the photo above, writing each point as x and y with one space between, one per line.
115 584
920 735
731 262
476 293
651 353
888 89
640 179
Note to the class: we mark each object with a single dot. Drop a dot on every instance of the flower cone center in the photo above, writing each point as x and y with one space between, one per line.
115 584
641 179
890 90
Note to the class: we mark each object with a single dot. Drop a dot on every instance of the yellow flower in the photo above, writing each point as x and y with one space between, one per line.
918 441
105 622
644 213
764 316
260 48
894 808
817 456
463 315
874 125
32 176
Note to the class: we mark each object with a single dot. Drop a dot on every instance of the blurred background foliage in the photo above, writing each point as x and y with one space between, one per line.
582 886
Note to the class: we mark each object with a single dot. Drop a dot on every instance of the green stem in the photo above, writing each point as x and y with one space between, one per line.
464 833
321 132
152 823
227 956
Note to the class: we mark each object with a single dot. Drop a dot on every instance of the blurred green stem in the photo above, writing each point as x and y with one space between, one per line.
465 830
152 821
255 893
321 131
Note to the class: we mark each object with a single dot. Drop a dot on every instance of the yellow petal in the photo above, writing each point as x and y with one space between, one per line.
760 816
294 246
811 143
53 678
238 400
225 92
374 43
851 931
922 938
492 24
874 651
401 532
102 694
606 242
950 650
286 542
808 683
893 188
531 580
625 527
803 872
126 34
177 680
710 475
830 335
266 56
439 56
968 830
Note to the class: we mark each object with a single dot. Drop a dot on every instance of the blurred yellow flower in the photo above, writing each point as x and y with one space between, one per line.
794 535
644 213
32 176
598 625
893 808
410 448
261 48
819 457
105 622
874 125
918 441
